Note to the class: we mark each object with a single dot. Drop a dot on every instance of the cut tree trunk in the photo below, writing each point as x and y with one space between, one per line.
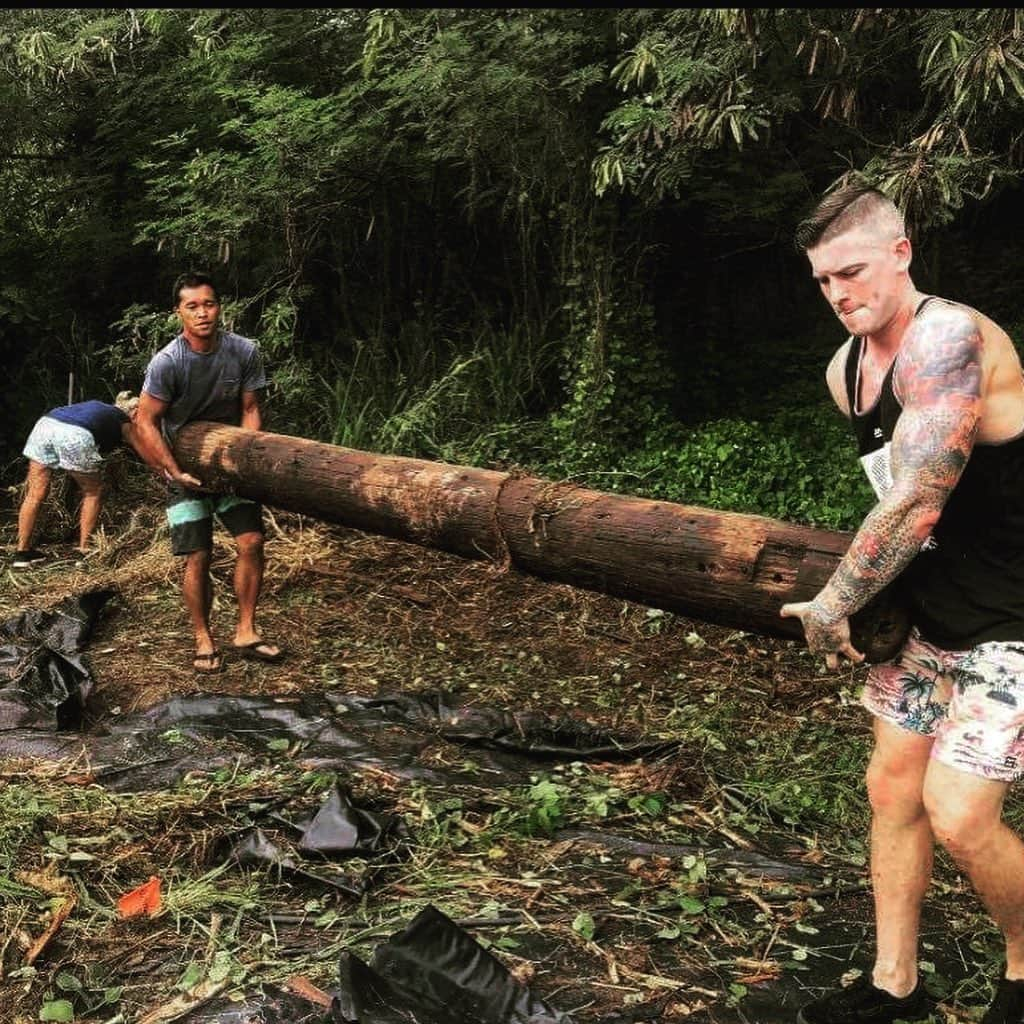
723 567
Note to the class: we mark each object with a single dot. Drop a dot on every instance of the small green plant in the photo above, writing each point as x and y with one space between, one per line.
583 925
546 805
85 992
57 1010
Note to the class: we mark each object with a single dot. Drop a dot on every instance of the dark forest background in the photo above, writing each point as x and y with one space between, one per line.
555 239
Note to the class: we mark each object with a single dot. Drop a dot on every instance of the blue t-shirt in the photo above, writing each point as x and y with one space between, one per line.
101 420
204 385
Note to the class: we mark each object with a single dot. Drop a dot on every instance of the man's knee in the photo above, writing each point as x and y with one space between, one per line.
894 797
895 785
197 561
250 544
961 824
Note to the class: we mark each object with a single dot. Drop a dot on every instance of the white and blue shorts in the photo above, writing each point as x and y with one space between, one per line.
60 445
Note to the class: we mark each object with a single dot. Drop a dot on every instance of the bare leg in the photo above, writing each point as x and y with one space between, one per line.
248 583
966 814
901 851
198 593
37 486
92 497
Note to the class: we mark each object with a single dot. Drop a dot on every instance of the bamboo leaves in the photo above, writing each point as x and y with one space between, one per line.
925 101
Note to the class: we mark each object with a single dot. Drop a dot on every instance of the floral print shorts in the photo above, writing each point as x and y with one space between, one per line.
971 702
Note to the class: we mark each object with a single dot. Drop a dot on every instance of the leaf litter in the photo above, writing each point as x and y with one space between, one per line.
637 816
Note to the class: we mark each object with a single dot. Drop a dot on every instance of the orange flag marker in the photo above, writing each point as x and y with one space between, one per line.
143 900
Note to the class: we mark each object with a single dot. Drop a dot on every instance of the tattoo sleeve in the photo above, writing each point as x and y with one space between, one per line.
939 379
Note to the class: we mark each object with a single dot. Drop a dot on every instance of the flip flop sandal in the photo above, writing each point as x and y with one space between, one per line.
252 652
213 661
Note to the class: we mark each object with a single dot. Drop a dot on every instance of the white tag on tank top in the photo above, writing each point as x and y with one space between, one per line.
878 466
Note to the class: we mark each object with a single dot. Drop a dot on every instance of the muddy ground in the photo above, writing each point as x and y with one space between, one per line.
759 778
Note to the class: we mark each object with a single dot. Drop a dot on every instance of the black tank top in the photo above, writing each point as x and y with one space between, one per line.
966 585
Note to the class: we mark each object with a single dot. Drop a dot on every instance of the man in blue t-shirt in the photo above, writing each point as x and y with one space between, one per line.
206 373
75 438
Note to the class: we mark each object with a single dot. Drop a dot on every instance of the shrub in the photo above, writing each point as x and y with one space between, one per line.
799 465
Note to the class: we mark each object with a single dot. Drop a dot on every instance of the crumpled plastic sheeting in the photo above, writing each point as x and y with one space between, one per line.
257 849
155 748
273 1008
120 761
526 733
433 972
341 827
337 828
44 681
326 739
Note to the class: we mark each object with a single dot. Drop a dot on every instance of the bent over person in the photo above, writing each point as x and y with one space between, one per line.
207 374
76 438
934 393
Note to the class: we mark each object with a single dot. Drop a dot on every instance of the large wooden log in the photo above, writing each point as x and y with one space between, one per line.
722 567
430 503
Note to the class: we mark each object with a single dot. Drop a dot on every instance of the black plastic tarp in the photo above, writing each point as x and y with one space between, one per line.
338 829
44 680
434 972
519 732
156 747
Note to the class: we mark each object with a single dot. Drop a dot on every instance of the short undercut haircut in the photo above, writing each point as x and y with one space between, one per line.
193 279
846 207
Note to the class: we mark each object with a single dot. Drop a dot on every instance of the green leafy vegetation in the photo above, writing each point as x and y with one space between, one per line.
554 239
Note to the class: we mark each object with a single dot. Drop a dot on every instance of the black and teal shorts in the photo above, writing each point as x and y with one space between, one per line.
190 516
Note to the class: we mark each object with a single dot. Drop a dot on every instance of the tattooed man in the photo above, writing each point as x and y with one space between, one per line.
935 395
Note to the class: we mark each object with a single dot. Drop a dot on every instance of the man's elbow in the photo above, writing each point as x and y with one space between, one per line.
923 511
917 509
924 523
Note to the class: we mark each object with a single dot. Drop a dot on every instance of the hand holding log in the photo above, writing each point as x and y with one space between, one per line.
826 634
875 633
881 627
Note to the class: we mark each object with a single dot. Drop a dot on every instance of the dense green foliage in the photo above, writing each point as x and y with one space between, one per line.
556 238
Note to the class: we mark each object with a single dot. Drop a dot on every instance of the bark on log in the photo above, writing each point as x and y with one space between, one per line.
430 503
722 567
